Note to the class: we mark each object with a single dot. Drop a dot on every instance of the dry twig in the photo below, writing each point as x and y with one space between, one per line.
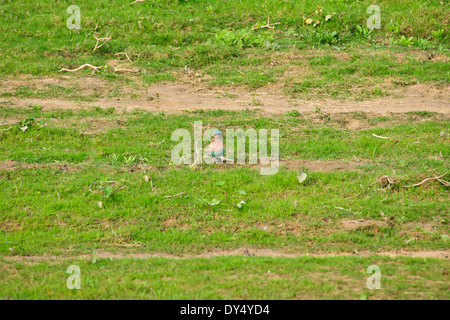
380 137
445 183
126 55
123 243
106 39
82 67
178 194
267 25
125 70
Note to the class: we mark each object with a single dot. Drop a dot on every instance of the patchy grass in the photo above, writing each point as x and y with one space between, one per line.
174 40
227 278
77 182
57 176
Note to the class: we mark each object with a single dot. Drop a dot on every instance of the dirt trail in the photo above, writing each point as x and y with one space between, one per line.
438 254
175 98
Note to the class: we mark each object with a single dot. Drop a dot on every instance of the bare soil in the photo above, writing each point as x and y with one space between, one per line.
178 97
437 254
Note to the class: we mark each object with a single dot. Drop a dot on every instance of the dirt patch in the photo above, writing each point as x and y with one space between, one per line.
321 165
11 165
8 165
354 124
249 252
357 224
178 97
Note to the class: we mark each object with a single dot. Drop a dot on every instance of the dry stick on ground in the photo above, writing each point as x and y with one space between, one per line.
125 70
445 183
178 194
115 190
147 178
380 137
136 1
126 55
151 185
124 244
106 39
267 25
82 67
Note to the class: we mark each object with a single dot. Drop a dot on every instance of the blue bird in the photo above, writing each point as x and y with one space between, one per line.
216 148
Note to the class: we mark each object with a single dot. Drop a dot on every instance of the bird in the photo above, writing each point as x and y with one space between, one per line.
216 149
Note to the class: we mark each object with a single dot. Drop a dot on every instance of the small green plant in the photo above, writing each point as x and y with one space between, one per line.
26 124
36 107
318 17
107 191
364 32
293 113
393 28
404 41
423 44
243 38
439 35
256 102
326 37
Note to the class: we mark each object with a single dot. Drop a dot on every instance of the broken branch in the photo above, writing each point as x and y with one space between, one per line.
106 39
267 25
380 137
125 70
82 67
178 194
124 53
445 183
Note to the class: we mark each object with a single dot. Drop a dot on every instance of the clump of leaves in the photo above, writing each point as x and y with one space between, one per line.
36 107
326 37
318 17
404 41
26 124
363 32
423 44
439 35
243 38
293 113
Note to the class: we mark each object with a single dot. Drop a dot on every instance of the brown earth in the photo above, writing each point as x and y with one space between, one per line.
311 165
438 254
175 98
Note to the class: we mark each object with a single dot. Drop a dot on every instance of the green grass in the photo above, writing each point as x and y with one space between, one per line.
77 182
227 278
214 40
50 201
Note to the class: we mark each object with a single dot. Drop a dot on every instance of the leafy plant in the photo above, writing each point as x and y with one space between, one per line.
318 17
243 38
326 37
404 41
26 124
363 32
439 35
293 113
423 44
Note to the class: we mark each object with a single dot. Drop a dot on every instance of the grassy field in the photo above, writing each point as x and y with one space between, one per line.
172 40
227 278
54 177
95 186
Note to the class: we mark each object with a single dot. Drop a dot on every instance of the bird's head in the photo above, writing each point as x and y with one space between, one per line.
217 135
